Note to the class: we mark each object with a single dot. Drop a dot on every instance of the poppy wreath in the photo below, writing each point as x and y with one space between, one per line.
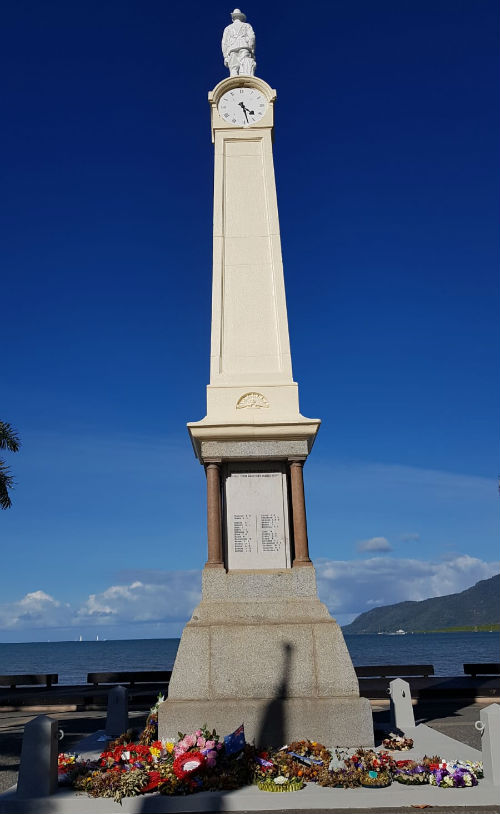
188 763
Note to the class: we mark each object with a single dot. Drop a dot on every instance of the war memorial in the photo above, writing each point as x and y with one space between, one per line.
260 648
261 663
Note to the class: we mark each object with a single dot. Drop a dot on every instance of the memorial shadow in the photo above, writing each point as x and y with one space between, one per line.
272 729
271 732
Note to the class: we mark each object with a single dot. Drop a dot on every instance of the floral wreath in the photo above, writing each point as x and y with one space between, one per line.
396 743
310 749
188 763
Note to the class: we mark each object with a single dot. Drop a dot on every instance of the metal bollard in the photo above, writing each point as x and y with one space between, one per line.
489 727
401 709
38 767
117 717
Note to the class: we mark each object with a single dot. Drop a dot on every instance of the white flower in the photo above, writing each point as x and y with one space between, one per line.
125 755
280 780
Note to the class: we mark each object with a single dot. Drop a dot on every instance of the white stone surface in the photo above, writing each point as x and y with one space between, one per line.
251 392
238 46
256 522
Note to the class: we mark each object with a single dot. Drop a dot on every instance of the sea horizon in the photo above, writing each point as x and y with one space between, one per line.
73 659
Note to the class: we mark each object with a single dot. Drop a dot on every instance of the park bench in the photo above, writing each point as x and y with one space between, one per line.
485 669
394 670
130 677
21 680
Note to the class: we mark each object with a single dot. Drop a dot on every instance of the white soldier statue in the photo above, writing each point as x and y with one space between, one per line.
238 46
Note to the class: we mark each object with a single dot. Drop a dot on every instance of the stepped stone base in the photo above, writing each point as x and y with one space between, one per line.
262 650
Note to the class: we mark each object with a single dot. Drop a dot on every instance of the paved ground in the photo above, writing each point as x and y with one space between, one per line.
455 719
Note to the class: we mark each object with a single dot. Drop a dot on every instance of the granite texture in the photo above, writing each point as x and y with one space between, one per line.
337 721
239 586
261 645
244 450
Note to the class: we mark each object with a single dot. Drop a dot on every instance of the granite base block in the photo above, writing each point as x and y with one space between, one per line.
262 649
340 721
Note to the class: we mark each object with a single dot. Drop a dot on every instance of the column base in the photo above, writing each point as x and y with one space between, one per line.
333 721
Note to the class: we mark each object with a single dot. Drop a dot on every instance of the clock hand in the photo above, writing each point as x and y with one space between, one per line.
243 107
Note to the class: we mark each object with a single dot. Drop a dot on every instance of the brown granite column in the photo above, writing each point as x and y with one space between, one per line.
299 514
214 521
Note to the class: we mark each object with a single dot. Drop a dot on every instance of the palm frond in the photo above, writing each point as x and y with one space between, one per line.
6 483
9 439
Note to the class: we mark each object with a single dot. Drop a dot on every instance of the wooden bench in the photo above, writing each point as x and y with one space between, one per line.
130 677
394 670
485 669
13 681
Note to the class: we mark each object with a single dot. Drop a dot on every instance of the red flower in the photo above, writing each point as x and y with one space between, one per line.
188 763
153 782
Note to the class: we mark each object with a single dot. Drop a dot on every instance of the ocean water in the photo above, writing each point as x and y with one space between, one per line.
73 660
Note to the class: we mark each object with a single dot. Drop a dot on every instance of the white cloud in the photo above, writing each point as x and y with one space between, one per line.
375 544
348 587
36 609
172 596
149 603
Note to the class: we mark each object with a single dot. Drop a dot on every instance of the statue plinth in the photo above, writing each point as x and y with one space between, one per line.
262 650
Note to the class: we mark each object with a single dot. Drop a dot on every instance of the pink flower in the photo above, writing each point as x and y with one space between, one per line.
200 742
198 733
209 744
190 741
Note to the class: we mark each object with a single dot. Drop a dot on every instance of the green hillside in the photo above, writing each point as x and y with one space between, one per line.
475 607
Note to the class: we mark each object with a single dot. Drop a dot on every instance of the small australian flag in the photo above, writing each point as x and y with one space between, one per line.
235 742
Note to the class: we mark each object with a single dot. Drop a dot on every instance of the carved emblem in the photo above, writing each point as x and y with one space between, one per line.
252 400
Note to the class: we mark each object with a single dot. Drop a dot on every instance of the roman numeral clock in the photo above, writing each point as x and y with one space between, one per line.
260 631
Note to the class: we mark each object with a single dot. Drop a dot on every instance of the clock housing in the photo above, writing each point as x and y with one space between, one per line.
255 95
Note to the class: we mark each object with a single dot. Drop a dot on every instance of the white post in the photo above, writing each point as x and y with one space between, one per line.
38 767
117 717
489 726
402 716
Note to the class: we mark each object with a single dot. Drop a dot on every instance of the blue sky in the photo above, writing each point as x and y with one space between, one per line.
385 156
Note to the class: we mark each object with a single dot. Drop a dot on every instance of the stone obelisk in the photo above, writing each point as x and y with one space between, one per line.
260 648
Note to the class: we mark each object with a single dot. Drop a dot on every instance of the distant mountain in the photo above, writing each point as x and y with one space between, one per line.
479 605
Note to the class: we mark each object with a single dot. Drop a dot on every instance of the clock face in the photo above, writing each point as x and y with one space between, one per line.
242 106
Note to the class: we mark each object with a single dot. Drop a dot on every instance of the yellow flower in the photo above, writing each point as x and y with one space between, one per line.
169 746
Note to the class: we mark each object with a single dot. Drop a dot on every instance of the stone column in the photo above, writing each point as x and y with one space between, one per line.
299 514
214 520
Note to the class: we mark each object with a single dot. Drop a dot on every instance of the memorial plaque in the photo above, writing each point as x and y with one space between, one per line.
256 512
